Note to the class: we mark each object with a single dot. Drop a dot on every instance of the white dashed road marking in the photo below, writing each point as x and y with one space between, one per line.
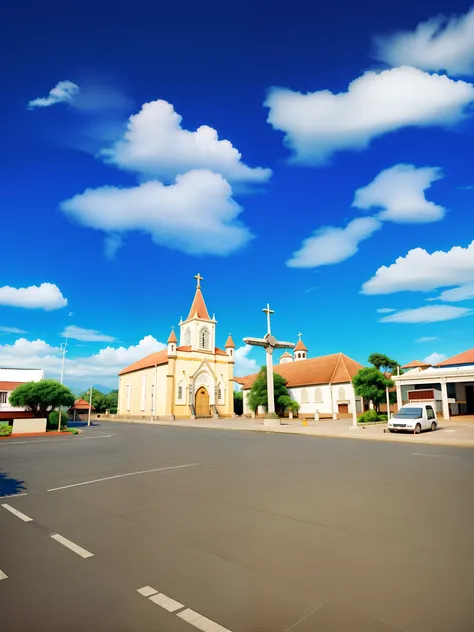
14 495
70 545
439 456
17 513
166 602
190 616
3 576
200 622
109 478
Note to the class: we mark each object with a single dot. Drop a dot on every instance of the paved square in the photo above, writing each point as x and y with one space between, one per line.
178 529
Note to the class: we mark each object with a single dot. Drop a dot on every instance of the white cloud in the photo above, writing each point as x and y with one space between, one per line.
385 310
112 243
196 215
462 293
155 145
63 92
330 245
421 271
429 314
426 339
440 43
434 358
400 193
243 364
318 124
46 296
86 335
11 330
103 365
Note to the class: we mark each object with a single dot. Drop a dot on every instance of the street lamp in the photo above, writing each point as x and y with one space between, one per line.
63 346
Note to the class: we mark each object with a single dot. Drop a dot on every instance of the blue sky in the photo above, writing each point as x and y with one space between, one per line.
317 157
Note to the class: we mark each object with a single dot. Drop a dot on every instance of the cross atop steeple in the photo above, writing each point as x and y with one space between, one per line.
198 278
299 335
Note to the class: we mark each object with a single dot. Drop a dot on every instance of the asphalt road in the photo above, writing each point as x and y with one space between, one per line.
234 531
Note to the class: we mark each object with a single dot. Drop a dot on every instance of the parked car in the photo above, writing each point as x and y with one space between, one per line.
414 417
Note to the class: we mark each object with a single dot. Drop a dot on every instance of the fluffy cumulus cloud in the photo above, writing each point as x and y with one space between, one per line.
63 92
400 194
103 365
46 296
330 245
422 271
196 214
86 335
434 358
428 314
156 146
440 43
243 364
319 124
462 293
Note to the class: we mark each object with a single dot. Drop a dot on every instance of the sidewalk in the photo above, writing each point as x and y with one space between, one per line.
448 433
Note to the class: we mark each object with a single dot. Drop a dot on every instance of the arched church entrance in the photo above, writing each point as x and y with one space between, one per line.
202 403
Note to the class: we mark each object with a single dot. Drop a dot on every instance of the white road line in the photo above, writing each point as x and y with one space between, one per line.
14 495
109 478
147 591
439 456
14 442
17 513
70 545
3 576
200 622
166 602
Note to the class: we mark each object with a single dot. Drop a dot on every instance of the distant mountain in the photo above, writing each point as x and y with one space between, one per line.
78 390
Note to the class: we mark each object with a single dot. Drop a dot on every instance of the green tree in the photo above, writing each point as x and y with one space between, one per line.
112 401
99 400
370 384
258 395
383 363
238 402
42 397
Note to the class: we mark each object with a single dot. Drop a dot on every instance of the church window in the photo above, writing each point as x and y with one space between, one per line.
318 396
342 394
304 396
220 394
128 396
143 394
204 338
187 338
181 391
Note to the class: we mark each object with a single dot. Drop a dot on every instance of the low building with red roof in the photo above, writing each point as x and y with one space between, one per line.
10 379
449 383
191 378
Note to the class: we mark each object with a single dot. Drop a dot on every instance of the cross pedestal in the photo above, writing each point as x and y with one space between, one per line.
269 343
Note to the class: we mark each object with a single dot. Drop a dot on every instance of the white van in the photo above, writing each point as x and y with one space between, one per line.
416 416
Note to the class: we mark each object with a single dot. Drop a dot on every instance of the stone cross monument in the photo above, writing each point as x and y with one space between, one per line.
269 343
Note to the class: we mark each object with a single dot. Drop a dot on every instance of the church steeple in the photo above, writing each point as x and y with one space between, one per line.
301 349
198 330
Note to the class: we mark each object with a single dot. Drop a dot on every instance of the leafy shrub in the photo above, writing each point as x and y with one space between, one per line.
369 417
5 431
73 431
53 420
383 417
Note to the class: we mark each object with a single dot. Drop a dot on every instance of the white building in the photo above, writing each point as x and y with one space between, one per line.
320 385
450 383
9 380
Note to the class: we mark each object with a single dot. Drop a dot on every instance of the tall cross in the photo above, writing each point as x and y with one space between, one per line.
269 343
268 312
198 278
299 335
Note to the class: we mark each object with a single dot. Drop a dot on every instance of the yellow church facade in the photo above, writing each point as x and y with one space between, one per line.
191 378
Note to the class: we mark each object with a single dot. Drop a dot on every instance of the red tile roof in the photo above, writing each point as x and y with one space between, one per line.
159 357
81 404
300 346
466 357
198 307
10 386
229 343
336 368
415 363
286 355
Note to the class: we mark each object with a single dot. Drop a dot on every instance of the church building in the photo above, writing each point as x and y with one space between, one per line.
321 385
191 378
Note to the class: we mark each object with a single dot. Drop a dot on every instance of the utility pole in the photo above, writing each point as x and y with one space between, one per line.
90 407
63 349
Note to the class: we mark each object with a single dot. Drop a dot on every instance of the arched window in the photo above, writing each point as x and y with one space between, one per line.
342 394
220 395
204 338
318 395
187 338
181 391
304 396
